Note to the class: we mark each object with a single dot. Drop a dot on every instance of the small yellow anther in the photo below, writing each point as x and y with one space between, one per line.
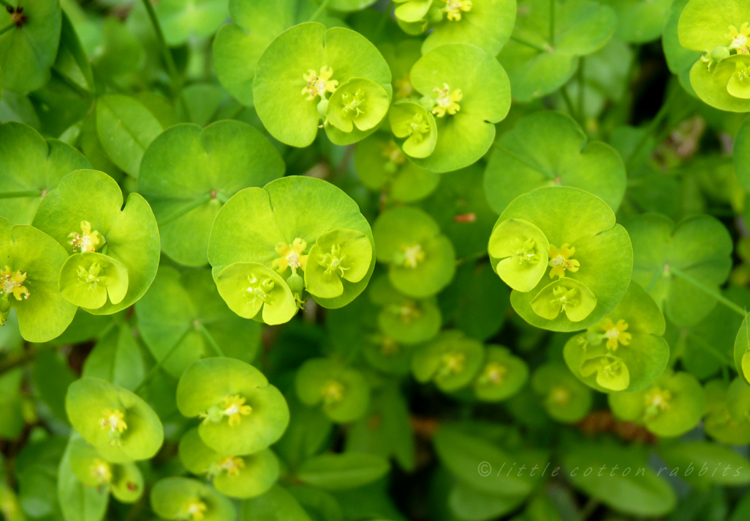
235 408
615 333
87 241
12 283
447 101
560 261
319 84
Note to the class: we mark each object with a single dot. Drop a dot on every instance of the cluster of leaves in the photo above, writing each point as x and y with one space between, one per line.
505 249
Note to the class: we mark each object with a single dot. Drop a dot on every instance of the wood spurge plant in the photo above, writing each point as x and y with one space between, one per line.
374 260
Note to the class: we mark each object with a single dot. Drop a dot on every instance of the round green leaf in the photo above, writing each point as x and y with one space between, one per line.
502 376
726 405
280 84
565 398
242 413
639 21
247 287
550 149
451 361
520 250
719 87
704 24
359 103
413 123
89 279
181 19
343 392
481 86
337 255
31 167
403 319
181 498
97 410
342 471
187 173
130 235
182 315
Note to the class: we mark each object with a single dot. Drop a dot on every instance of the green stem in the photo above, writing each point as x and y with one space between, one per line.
210 338
7 28
157 366
552 23
533 45
708 291
320 10
195 203
22 193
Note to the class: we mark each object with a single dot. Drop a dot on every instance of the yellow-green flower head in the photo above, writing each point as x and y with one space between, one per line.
332 392
12 283
615 333
739 38
231 465
560 260
319 84
195 509
290 256
558 396
113 420
447 101
454 8
234 408
354 103
419 127
89 275
657 400
408 311
87 241
333 261
413 255
101 471
493 374
453 363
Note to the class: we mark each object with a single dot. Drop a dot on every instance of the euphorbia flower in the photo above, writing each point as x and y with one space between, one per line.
447 100
13 284
290 256
615 333
739 38
560 261
319 84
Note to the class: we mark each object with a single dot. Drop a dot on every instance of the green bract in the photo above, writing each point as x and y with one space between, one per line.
119 424
639 21
30 263
28 50
699 247
671 406
565 398
451 361
539 64
402 319
625 351
30 167
182 318
182 19
124 480
342 392
550 149
589 253
421 260
337 255
742 350
305 64
382 166
235 476
241 412
185 498
726 417
90 279
468 91
359 103
720 30
85 214
502 376
271 228
414 124
188 173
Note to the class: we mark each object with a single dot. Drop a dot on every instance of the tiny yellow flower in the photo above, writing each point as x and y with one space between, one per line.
418 127
333 261
453 9
560 261
194 510
447 101
231 465
407 311
332 392
235 408
101 471
739 38
87 241
114 420
12 283
657 400
290 256
354 103
559 395
413 255
615 333
494 373
453 363
319 84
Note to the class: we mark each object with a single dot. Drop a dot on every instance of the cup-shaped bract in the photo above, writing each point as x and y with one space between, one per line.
342 392
699 246
241 412
502 375
550 149
116 421
186 498
301 68
276 226
413 123
85 214
89 279
520 252
124 480
28 163
625 351
590 258
719 29
421 259
726 405
468 90
403 319
565 398
451 361
359 103
742 350
337 256
248 287
235 476
30 263
671 406
187 174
